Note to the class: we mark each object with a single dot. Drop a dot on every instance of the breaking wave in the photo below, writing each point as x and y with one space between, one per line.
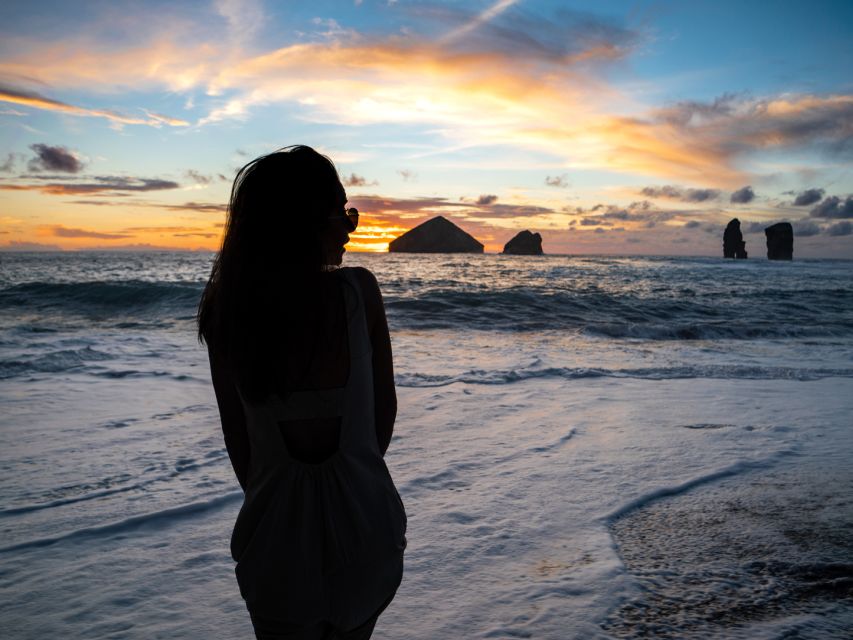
94 299
663 300
726 372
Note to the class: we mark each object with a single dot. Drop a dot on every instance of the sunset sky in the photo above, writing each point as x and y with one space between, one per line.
609 127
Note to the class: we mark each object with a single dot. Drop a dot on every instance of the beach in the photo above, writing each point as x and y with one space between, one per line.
587 447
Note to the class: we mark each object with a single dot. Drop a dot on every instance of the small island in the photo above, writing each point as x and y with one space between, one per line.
524 243
436 235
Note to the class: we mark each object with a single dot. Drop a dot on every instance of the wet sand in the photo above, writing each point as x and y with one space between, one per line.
742 557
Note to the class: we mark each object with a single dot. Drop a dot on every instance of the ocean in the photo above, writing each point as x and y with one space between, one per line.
587 447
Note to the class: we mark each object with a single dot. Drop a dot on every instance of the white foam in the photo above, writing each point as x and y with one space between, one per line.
163 518
740 467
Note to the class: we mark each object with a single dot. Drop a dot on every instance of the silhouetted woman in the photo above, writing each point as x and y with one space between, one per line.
301 364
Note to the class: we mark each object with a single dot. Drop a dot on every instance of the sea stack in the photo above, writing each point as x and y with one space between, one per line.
436 235
780 241
733 243
524 244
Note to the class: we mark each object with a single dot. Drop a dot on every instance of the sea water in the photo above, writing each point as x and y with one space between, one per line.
587 447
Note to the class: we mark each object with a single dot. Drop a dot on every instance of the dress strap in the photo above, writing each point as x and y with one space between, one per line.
359 338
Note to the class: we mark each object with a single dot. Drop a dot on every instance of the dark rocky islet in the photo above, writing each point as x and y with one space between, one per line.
733 243
524 243
436 235
780 241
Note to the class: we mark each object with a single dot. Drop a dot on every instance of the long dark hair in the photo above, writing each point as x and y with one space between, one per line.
263 285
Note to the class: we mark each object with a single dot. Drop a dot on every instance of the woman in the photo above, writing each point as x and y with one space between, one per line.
300 359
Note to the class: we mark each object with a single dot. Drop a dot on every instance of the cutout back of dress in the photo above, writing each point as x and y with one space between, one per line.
311 441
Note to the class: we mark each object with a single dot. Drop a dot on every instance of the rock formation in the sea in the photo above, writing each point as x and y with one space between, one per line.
436 235
780 241
524 244
733 244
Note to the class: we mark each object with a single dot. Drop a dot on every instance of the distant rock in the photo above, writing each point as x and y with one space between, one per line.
436 235
524 244
733 243
780 241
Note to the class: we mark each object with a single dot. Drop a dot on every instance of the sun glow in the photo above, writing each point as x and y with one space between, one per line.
374 236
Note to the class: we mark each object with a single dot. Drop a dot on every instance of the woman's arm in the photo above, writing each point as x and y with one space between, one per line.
233 420
384 395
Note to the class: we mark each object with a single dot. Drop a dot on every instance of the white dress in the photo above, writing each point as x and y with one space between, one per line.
321 542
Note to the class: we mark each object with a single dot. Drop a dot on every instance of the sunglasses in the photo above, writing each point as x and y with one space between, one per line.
350 218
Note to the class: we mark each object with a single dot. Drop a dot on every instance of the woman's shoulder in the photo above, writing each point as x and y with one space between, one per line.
369 290
365 278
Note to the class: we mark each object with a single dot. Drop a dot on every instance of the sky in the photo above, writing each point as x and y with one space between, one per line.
618 127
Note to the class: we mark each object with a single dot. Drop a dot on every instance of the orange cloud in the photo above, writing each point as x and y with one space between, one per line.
163 229
173 58
179 237
61 231
32 99
205 207
115 185
491 98
494 87
199 207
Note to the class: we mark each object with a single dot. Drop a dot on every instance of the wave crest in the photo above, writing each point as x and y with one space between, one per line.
101 297
726 372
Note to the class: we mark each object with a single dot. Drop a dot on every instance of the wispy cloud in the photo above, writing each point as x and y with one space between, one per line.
492 12
8 165
561 181
61 231
161 229
245 19
677 193
202 207
100 184
32 99
198 177
197 234
642 211
198 207
67 232
355 180
24 245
